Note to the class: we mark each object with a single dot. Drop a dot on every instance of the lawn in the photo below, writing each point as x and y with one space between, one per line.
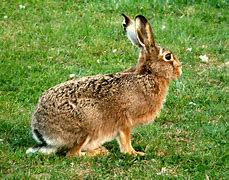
43 43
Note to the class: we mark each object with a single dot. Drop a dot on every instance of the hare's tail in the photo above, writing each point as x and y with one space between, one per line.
43 147
39 137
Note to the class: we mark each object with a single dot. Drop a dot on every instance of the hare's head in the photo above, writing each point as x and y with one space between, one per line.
152 58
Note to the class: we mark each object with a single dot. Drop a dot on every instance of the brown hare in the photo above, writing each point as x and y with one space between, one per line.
80 115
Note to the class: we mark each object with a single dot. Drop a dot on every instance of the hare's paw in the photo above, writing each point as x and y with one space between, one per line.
138 153
71 154
99 151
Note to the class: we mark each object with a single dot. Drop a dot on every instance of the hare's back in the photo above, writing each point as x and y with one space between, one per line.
81 93
96 87
80 101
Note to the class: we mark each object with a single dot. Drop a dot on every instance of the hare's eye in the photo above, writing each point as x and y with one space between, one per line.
168 56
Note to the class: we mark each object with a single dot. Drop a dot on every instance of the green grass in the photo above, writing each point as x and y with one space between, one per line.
45 42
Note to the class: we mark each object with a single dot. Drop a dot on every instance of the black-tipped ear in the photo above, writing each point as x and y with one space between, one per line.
126 21
142 18
144 31
129 28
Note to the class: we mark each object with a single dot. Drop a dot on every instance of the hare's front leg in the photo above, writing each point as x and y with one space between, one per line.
124 140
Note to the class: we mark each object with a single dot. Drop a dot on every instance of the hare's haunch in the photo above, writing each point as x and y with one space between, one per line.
81 115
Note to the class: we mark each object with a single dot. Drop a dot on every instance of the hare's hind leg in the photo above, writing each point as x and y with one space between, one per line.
76 150
124 140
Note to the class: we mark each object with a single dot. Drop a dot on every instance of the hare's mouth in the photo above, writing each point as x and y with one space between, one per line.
179 71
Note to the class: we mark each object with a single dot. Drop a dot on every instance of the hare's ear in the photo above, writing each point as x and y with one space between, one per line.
129 28
144 32
127 21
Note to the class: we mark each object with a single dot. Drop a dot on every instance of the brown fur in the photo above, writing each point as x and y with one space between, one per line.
84 113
